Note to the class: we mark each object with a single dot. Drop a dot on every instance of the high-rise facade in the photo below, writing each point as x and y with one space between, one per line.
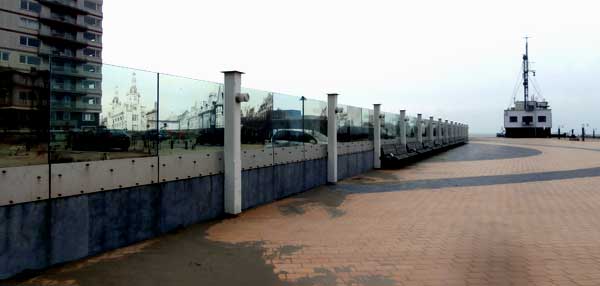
50 64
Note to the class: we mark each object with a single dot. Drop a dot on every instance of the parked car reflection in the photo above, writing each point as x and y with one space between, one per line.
296 137
102 139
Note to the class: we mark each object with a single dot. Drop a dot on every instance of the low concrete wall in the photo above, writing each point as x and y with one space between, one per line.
353 164
40 234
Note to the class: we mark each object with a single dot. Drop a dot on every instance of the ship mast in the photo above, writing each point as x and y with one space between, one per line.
526 73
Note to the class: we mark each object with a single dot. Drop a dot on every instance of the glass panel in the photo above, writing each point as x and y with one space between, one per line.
24 95
256 119
191 115
315 121
115 121
368 123
287 122
411 127
391 126
343 127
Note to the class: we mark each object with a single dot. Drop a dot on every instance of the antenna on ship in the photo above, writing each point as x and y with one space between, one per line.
526 73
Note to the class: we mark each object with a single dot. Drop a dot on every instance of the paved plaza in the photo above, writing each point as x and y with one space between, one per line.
492 212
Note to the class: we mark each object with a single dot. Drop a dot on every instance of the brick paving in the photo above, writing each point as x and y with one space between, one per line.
541 232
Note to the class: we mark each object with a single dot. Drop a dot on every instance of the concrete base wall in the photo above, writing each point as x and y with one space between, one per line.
40 234
353 164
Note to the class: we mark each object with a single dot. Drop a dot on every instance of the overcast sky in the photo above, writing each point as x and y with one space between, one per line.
452 59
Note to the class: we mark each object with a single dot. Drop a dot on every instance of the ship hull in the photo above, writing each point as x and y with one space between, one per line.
539 132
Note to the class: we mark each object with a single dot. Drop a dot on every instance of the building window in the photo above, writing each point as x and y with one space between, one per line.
88 117
31 6
30 23
67 115
4 56
92 37
527 119
513 119
90 68
541 118
30 60
92 5
30 42
90 84
91 21
92 53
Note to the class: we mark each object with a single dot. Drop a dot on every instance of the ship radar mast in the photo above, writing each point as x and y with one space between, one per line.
526 73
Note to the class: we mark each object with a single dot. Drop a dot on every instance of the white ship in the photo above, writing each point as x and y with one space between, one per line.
531 117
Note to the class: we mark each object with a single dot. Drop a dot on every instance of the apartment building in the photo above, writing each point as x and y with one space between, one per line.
50 49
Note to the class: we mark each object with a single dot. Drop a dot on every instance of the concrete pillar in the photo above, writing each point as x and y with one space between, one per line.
430 129
232 148
446 130
451 130
377 136
403 127
419 129
332 150
439 131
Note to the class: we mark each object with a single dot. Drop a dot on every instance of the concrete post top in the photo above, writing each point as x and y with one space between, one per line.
419 115
439 119
431 118
232 72
377 104
402 110
446 121
332 94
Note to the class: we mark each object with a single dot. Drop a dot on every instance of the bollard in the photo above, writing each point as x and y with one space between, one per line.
403 127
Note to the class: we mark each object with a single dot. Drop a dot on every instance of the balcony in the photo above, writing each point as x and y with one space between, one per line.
65 22
70 88
71 39
84 106
65 5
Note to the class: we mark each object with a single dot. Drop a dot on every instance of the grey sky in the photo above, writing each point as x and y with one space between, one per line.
451 59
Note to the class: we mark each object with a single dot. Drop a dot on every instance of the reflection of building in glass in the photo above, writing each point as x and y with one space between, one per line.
207 115
64 35
127 112
23 101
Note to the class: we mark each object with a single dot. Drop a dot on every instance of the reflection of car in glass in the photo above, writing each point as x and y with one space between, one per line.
292 137
101 140
151 135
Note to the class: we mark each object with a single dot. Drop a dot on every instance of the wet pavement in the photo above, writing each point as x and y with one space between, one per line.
493 212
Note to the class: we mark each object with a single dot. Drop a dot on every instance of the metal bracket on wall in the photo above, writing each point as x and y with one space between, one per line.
190 165
71 179
23 184
257 158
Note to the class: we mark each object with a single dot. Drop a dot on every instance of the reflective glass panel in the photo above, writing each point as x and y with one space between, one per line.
190 115
315 120
256 119
24 94
411 131
391 126
107 115
288 129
